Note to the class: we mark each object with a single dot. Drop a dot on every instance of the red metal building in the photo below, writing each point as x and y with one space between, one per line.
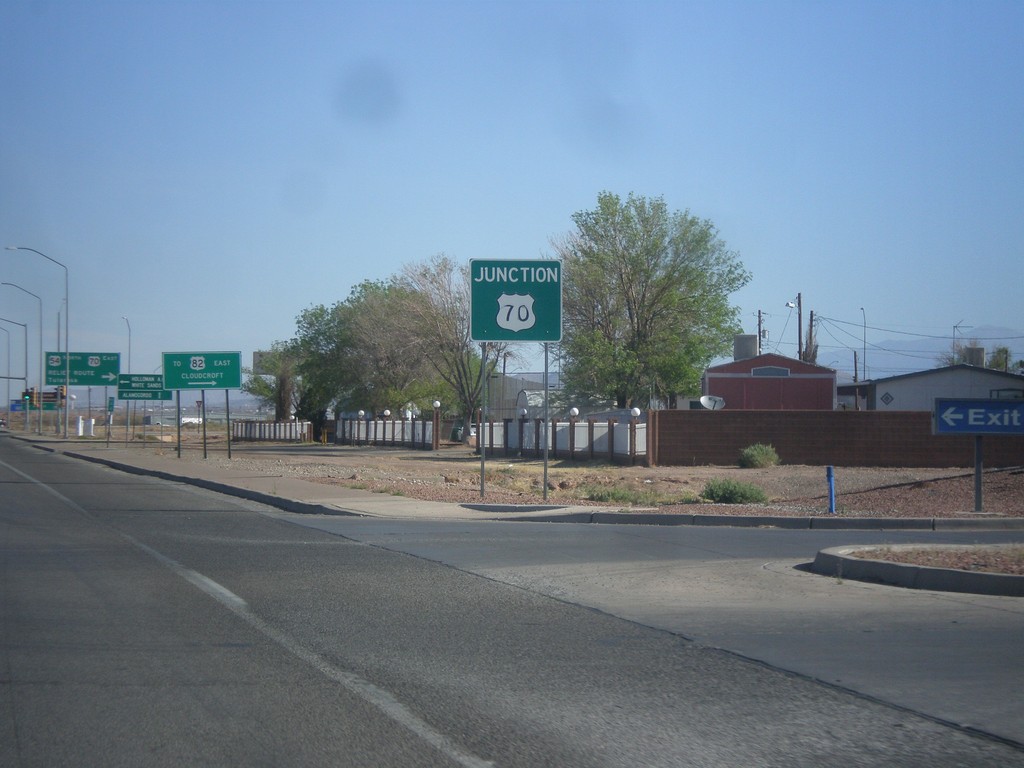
772 383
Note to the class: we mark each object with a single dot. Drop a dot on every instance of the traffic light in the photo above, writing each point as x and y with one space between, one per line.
26 398
36 398
62 393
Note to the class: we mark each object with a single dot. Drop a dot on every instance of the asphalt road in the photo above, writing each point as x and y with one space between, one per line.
149 623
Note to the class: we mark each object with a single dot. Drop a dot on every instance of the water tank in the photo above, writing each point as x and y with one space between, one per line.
975 356
744 346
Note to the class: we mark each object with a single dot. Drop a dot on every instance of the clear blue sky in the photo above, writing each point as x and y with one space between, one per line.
210 169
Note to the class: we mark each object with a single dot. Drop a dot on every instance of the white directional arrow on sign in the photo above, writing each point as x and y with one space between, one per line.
109 376
951 416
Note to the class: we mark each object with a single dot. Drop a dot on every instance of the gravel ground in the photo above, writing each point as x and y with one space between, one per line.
453 475
986 559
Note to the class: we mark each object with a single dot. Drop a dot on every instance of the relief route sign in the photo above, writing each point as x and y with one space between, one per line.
978 417
88 369
515 300
203 370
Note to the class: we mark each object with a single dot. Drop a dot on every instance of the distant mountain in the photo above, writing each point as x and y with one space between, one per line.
892 357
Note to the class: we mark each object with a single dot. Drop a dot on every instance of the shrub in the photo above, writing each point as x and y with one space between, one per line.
727 491
757 456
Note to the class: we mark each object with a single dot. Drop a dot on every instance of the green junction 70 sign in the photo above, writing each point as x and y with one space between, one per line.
515 300
203 370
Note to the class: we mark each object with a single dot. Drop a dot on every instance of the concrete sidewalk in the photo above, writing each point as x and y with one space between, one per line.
292 494
295 494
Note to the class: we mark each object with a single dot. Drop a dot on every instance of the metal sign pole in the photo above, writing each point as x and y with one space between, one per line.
227 408
547 439
483 414
178 418
202 392
979 460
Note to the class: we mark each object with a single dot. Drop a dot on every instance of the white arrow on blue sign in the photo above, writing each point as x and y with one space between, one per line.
978 417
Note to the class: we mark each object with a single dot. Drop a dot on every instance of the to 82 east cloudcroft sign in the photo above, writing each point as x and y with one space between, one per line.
515 300
202 370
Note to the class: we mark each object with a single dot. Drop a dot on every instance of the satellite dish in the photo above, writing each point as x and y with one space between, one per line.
712 402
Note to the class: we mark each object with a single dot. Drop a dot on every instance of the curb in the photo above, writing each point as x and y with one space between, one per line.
841 563
787 523
575 515
288 505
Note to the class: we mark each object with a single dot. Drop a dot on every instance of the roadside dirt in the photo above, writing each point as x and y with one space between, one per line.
452 474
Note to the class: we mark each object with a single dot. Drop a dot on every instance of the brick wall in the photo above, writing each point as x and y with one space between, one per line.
839 438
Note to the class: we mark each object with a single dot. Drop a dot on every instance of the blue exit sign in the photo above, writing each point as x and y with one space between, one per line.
978 417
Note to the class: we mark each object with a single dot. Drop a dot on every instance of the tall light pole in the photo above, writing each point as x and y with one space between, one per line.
24 327
799 307
128 404
7 406
41 382
67 325
864 354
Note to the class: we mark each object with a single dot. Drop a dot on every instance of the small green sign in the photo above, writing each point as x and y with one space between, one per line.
515 300
142 386
203 370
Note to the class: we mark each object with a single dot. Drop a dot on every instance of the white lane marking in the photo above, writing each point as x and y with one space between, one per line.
372 694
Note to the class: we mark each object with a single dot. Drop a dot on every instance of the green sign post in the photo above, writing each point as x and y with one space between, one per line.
88 369
515 300
203 370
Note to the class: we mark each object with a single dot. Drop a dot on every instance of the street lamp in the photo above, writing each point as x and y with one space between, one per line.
67 338
799 307
13 285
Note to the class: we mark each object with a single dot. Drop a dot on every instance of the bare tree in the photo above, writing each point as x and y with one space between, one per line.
438 308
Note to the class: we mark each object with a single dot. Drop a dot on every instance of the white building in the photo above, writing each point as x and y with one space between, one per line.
917 391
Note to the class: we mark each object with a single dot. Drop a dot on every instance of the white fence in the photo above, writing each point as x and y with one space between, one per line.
272 431
408 433
585 440
580 440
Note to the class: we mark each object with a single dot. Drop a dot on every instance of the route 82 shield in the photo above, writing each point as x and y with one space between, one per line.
515 312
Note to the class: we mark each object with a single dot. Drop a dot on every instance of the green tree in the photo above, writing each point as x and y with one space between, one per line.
645 300
274 384
364 354
322 340
1000 360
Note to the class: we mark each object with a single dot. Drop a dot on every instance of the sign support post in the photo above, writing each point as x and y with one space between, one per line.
480 443
978 417
177 419
979 461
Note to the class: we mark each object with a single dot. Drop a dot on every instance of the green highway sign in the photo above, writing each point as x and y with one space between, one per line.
203 370
515 300
142 386
88 369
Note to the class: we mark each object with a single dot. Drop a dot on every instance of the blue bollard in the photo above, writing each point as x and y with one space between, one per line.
830 475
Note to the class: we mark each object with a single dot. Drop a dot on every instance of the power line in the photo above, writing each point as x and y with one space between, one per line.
916 335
